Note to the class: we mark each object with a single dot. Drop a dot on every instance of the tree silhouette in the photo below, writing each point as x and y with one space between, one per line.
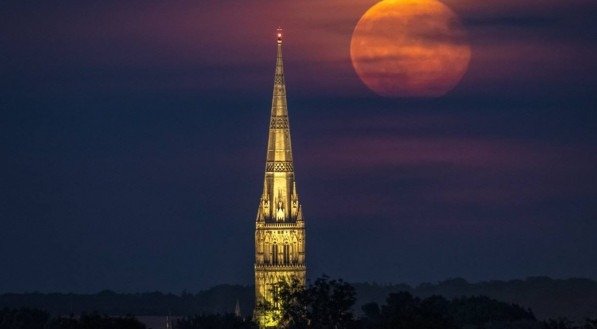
325 304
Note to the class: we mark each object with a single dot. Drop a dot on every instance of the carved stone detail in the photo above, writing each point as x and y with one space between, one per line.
279 123
279 166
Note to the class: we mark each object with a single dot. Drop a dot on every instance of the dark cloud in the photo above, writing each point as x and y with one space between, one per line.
522 22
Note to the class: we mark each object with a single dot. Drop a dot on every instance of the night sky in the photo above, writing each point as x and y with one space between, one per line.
133 137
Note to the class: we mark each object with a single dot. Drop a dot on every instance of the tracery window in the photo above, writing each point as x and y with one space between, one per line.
286 254
275 254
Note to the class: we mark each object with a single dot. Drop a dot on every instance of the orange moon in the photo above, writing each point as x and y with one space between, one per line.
410 48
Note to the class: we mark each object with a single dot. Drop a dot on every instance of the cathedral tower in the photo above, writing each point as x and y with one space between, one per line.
279 229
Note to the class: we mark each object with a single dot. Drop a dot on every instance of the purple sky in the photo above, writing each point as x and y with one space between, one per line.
133 140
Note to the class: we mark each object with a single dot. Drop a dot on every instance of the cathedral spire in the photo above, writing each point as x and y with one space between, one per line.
279 149
279 228
279 168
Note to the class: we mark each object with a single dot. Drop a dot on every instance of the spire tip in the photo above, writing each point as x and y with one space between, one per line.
279 35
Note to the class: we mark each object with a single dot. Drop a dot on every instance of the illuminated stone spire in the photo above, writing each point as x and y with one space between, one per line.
279 200
279 229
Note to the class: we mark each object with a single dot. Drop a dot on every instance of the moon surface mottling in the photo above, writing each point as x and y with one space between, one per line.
410 48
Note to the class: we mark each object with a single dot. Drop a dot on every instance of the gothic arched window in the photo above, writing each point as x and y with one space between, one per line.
275 254
286 254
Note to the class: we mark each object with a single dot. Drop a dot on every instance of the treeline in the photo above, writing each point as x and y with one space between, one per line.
330 303
217 300
326 304
37 319
549 298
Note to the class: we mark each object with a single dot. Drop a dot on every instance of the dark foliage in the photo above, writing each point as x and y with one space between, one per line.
402 310
219 299
95 321
331 302
548 298
564 323
481 310
37 319
215 321
325 304
23 319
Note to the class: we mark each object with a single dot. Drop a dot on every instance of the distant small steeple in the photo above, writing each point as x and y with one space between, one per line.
168 323
237 310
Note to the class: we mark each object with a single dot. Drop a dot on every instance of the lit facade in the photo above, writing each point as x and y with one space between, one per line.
280 228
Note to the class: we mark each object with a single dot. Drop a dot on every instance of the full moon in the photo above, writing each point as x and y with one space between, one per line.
410 48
